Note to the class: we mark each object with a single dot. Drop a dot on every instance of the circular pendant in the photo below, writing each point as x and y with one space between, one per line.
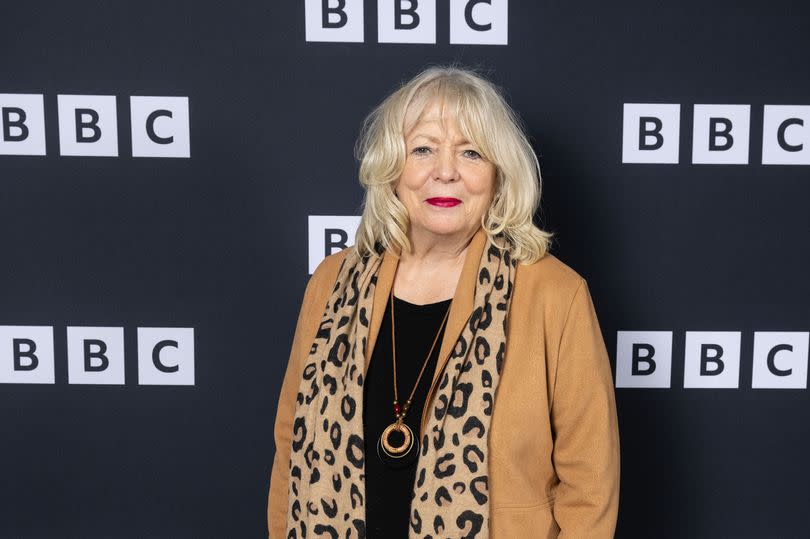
397 454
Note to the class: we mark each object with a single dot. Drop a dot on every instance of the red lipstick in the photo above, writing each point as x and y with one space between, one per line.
443 202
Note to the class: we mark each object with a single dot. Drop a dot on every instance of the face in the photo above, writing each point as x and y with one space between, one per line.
446 184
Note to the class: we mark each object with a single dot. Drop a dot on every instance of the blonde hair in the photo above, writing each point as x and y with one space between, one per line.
487 121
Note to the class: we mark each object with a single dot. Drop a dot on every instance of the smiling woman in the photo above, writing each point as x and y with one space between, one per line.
424 351
446 187
455 119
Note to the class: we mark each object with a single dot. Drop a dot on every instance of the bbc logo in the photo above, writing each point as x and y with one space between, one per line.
712 359
328 234
95 355
472 22
88 125
720 134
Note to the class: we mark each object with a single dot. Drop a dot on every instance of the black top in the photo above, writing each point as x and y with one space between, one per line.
388 491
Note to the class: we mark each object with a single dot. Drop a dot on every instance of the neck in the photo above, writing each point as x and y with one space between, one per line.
436 251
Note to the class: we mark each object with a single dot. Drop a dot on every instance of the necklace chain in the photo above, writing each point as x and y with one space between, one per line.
399 412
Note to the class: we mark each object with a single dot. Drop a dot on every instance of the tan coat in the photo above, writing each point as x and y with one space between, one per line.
554 436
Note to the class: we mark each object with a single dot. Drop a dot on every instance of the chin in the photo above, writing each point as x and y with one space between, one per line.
444 229
441 225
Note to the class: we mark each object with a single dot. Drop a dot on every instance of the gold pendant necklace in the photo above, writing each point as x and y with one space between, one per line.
397 455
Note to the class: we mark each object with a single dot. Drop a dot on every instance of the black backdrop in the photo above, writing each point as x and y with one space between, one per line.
217 242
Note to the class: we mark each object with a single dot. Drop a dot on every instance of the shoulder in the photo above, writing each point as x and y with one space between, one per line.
326 271
550 270
550 278
319 287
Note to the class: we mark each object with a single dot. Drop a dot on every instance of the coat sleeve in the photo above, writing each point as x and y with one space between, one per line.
279 476
585 425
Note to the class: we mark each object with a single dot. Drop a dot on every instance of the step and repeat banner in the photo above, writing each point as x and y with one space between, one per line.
172 172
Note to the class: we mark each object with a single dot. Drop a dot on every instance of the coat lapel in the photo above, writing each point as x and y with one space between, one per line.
460 308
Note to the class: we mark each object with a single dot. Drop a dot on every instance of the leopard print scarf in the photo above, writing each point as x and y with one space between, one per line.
450 497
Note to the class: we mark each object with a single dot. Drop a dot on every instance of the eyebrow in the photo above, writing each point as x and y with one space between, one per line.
461 142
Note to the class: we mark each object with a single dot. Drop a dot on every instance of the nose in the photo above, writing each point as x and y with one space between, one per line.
445 167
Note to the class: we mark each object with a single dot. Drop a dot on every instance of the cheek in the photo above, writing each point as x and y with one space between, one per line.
481 190
411 178
483 183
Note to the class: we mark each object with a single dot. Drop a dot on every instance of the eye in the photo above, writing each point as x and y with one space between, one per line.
418 150
472 153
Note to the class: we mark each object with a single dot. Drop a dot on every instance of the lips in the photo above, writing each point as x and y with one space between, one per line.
443 202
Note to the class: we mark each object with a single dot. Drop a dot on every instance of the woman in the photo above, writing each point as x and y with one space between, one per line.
448 376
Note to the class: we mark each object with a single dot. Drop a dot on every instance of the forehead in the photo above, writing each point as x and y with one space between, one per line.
437 114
